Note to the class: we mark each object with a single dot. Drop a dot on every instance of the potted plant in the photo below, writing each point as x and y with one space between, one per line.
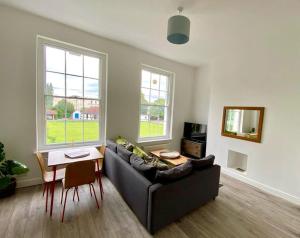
8 168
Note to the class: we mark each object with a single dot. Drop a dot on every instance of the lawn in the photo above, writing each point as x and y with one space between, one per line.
74 131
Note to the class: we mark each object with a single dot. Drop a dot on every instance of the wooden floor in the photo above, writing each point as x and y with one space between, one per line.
239 211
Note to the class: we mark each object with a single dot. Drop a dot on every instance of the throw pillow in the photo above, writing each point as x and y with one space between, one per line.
121 140
158 164
175 173
208 161
124 153
139 152
147 170
124 142
111 145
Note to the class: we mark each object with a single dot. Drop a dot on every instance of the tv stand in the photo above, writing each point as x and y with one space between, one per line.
193 147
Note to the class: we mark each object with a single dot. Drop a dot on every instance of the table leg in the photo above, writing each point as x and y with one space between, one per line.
99 179
52 189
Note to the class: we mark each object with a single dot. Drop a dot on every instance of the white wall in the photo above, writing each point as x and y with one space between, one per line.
201 94
257 65
18 74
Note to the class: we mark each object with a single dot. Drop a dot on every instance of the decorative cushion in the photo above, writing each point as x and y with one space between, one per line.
123 153
139 152
174 173
158 164
147 170
121 140
124 142
208 161
111 145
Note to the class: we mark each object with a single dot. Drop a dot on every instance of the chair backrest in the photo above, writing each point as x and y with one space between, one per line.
79 173
41 162
102 149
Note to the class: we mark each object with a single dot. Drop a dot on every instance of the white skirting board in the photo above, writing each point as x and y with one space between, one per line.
28 182
261 186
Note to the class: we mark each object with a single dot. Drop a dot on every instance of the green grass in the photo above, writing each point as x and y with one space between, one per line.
149 129
56 131
74 131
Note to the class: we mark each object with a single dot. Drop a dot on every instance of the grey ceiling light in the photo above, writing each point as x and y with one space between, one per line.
178 28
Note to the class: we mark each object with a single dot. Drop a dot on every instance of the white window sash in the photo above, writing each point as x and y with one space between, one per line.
169 104
40 95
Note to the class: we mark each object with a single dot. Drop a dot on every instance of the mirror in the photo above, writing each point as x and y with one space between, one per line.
243 123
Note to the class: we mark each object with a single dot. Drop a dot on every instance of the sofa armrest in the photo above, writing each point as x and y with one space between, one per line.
169 202
132 186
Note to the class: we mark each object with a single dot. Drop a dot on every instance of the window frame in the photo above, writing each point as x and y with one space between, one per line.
171 91
41 42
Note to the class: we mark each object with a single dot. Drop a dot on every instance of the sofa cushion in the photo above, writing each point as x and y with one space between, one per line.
123 153
111 145
174 173
147 170
206 162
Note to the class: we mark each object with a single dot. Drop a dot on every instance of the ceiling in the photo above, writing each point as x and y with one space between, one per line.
216 25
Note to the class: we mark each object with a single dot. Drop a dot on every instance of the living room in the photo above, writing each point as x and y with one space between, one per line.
237 54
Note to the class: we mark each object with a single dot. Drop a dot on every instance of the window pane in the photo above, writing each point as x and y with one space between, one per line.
145 95
74 120
74 63
55 59
152 121
74 86
163 83
155 81
154 95
91 88
55 84
91 120
55 123
162 99
91 67
145 79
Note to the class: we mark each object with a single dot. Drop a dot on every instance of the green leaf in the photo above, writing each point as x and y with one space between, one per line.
4 182
16 167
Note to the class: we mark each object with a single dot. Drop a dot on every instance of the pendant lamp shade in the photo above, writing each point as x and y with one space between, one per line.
178 29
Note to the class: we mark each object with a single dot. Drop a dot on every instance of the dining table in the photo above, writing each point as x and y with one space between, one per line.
59 158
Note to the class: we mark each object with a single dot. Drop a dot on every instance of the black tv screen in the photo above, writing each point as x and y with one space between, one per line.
194 130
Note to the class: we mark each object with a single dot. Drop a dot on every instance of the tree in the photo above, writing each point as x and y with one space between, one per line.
158 111
62 106
49 91
144 109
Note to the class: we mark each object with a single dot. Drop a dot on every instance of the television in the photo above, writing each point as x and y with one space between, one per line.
195 131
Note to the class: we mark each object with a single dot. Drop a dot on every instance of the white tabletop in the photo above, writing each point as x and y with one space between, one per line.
57 157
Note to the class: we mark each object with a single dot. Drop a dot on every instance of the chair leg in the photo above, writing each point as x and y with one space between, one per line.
95 195
74 194
77 193
44 189
100 184
63 213
62 194
90 190
47 189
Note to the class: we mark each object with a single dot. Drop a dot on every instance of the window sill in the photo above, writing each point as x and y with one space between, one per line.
62 147
152 140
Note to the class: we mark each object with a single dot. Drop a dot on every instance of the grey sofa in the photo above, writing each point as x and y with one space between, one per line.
157 205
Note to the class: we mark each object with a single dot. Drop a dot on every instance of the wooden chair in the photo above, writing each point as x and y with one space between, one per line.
99 172
78 174
47 176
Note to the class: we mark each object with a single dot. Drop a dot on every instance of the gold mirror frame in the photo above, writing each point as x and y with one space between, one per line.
260 123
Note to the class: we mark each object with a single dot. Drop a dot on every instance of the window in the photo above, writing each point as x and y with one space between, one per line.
156 104
71 88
